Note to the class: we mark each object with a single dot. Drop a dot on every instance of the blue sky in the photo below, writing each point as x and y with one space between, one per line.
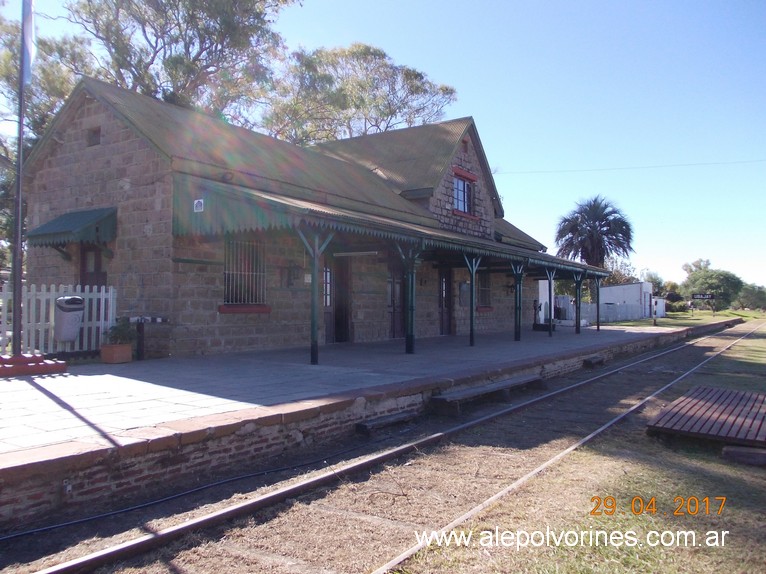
656 105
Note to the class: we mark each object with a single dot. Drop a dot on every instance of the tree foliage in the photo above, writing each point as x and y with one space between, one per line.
752 297
57 67
329 94
698 265
209 53
658 285
595 230
725 285
622 272
671 287
220 56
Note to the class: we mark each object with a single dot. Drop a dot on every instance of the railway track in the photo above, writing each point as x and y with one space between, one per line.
362 515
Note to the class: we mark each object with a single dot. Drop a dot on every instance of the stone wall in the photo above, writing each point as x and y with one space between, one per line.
156 461
200 326
95 161
500 315
480 221
370 312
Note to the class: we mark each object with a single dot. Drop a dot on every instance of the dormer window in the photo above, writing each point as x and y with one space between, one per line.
463 184
462 194
93 136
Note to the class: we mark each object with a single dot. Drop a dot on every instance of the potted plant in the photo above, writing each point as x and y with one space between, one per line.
119 346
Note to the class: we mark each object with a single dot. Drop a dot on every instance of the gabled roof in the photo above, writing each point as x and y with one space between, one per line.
414 158
187 138
512 235
252 181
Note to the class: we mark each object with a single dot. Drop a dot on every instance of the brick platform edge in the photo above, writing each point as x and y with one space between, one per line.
77 477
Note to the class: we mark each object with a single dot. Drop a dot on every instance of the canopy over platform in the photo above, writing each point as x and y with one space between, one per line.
204 206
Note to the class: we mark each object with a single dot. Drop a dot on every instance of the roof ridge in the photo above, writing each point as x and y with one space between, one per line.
394 132
188 135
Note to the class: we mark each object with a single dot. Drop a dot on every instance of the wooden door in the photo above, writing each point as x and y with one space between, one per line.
396 300
91 266
328 299
445 301
342 286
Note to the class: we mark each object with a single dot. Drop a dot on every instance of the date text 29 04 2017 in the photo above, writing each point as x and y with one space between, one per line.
682 506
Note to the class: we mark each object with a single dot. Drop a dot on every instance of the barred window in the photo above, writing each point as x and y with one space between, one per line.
244 272
461 190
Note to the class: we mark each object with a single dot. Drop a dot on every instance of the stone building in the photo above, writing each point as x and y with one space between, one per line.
241 241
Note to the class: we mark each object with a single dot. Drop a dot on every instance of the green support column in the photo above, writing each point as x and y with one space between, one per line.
518 278
473 265
578 278
410 261
315 250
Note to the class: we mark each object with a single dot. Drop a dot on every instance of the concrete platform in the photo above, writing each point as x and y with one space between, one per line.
101 433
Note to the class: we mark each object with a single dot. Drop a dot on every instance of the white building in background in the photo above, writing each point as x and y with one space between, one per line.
638 294
627 302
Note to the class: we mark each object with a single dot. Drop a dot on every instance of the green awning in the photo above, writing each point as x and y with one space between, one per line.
207 207
89 226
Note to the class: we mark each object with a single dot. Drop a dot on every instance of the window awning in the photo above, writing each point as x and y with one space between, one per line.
88 226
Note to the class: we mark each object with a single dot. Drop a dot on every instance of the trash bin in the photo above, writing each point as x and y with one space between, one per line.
68 318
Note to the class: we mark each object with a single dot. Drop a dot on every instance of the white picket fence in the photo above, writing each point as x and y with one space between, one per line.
39 315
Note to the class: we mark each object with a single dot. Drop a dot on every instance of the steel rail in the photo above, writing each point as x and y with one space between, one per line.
162 537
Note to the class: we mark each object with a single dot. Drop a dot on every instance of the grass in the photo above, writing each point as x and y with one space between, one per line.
631 468
698 317
563 499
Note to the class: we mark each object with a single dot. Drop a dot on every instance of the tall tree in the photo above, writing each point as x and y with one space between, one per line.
337 93
658 285
207 53
57 67
595 230
752 296
672 291
698 265
622 271
725 285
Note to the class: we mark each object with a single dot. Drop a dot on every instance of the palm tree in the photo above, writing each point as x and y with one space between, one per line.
595 230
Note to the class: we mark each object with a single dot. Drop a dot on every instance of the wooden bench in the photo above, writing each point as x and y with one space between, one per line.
712 413
367 427
450 402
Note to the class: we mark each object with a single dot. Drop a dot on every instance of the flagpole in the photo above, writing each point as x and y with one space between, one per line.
18 364
16 264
